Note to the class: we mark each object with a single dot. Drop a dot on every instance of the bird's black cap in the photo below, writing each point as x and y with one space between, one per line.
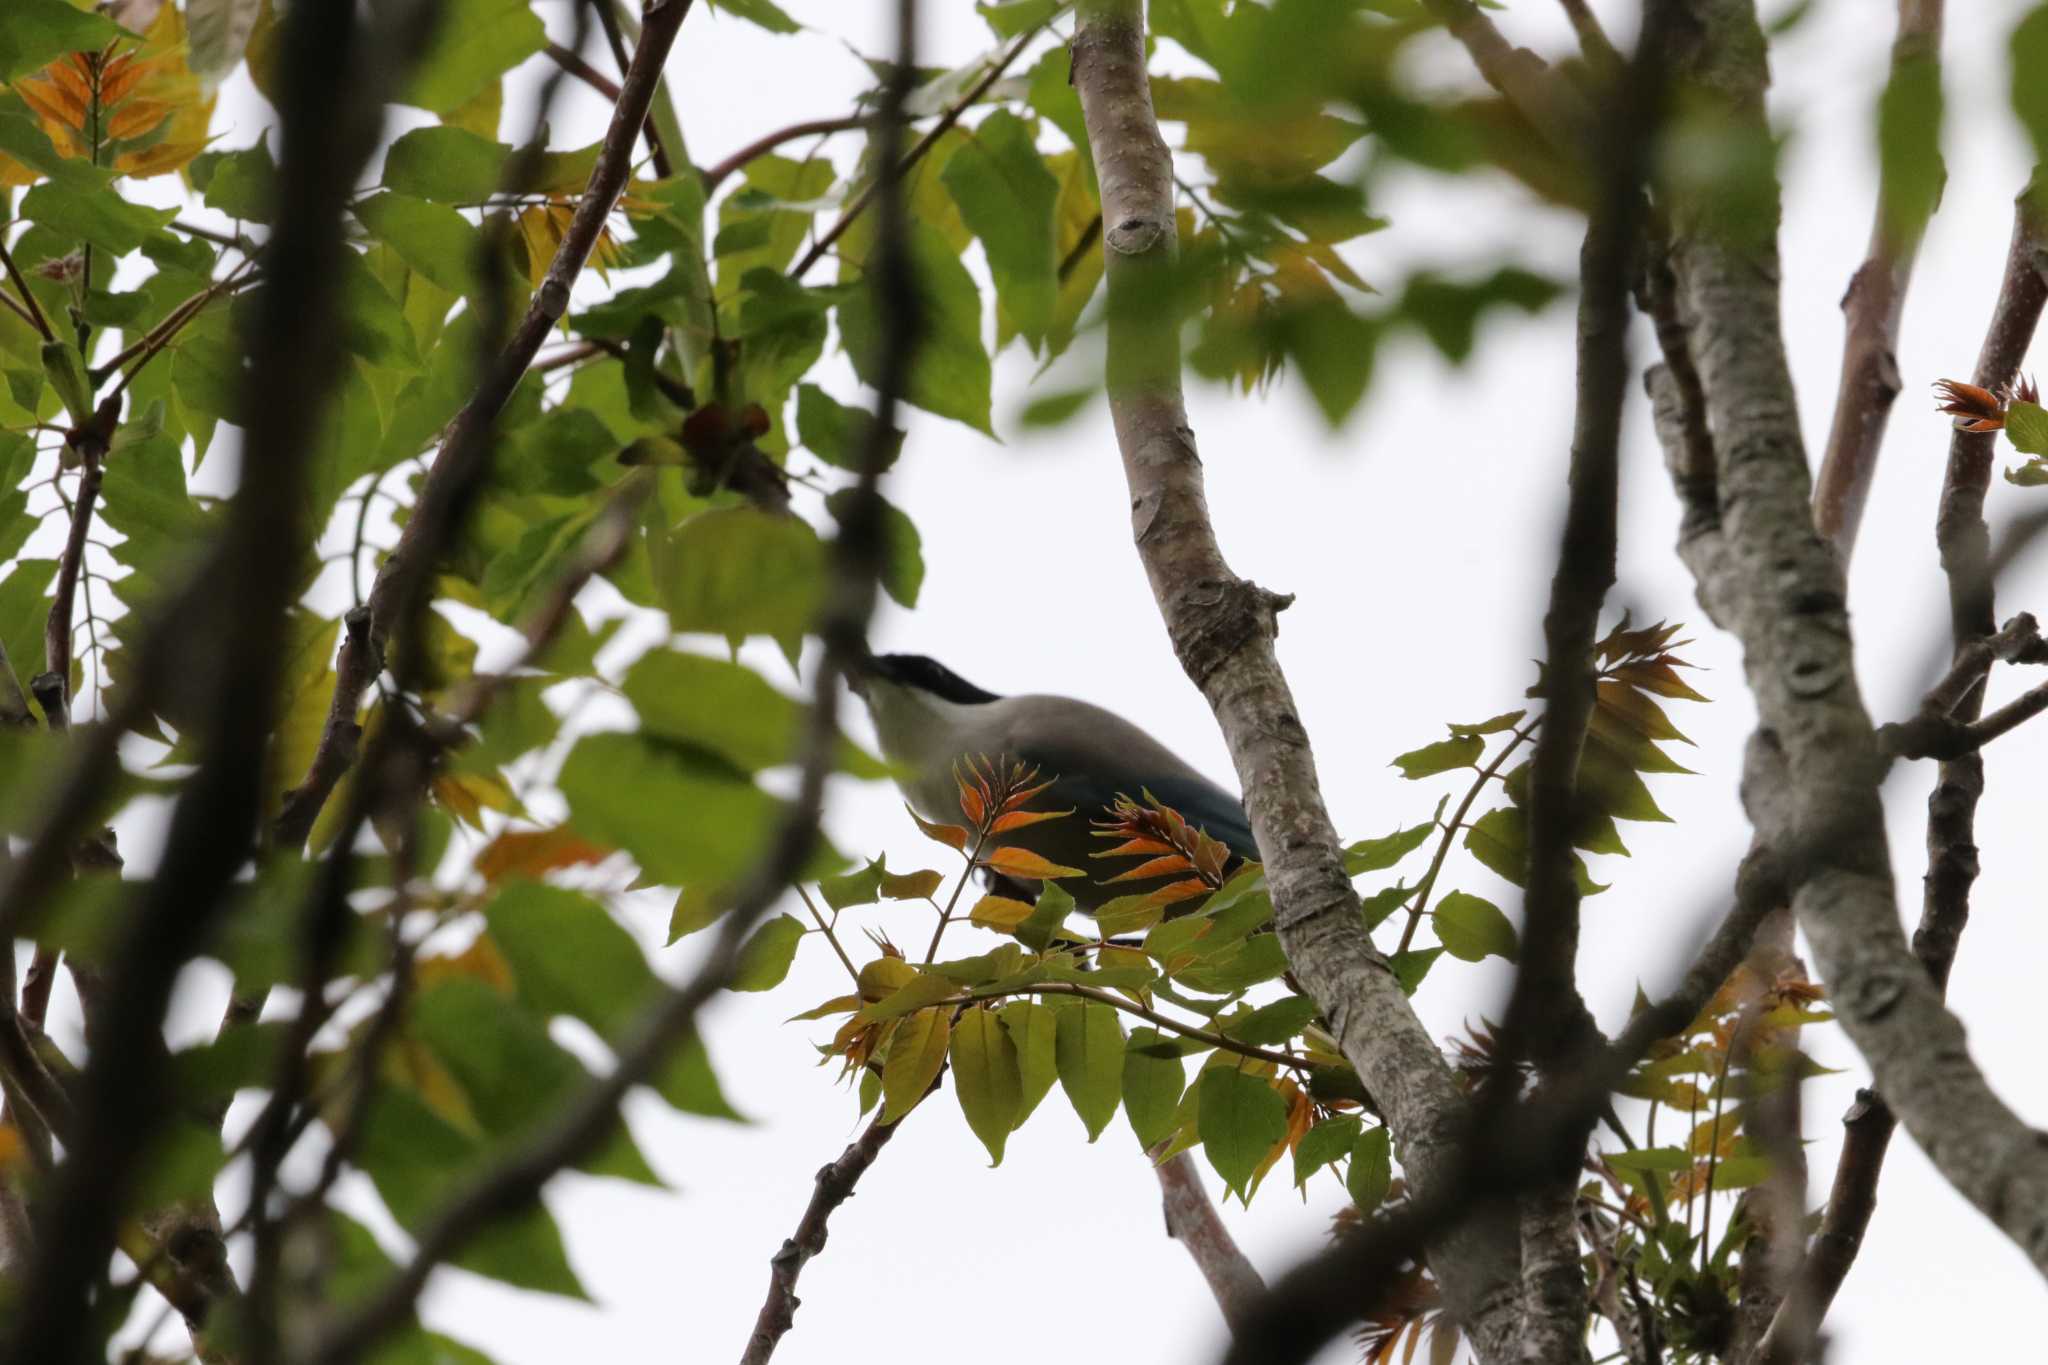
927 675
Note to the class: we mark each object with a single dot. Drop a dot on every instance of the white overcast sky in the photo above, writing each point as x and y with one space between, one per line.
1418 542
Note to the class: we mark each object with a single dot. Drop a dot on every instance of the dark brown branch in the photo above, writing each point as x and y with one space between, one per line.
834 1187
91 445
583 71
657 150
1870 310
465 449
1192 1220
1222 630
768 142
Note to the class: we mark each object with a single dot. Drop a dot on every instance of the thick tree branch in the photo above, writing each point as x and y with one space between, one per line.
465 449
1871 308
1812 784
1964 541
1222 630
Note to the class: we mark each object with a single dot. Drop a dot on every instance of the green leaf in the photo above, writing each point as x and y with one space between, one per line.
474 42
33 33
1500 840
1050 410
569 956
1006 195
739 571
727 709
1471 928
1239 1117
862 887
240 184
1011 17
836 433
987 1078
2029 90
513 1075
415 1158
1372 1169
89 211
902 550
2026 425
432 238
1054 904
762 13
684 819
24 607
765 958
446 165
1274 1023
1376 855
1410 967
1323 1144
1032 1028
1459 751
1153 1080
927 987
1385 902
1091 1063
951 375
218 31
916 1052
1909 144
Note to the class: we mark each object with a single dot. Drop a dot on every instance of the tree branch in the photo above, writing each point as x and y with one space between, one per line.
1871 308
465 449
32 309
768 142
834 1187
1811 785
1192 1220
1964 541
1222 629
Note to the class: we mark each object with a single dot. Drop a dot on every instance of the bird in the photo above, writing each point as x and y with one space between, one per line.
929 721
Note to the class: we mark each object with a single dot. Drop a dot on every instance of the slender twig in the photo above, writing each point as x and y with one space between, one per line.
583 71
834 1186
924 144
150 344
1457 822
207 234
768 142
657 150
1873 304
826 930
90 444
33 309
1150 1016
946 912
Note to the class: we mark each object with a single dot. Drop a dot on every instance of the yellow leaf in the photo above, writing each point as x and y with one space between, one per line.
884 976
531 852
408 1062
999 913
916 1052
480 961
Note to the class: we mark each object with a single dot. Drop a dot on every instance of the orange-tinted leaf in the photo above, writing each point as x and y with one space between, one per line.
1180 891
952 836
1019 819
135 118
1019 798
1659 677
480 961
13 1150
52 103
1170 865
973 801
164 157
531 852
1131 848
1022 862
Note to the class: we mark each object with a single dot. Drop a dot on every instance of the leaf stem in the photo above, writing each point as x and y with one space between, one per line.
1443 846
826 930
946 914
33 310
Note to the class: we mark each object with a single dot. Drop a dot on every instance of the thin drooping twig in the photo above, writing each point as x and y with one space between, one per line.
465 448
718 174
834 1187
331 114
1192 1220
1875 299
916 154
852 572
583 71
1964 541
1222 629
1811 785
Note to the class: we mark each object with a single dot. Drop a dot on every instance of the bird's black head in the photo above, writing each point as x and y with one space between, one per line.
927 675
